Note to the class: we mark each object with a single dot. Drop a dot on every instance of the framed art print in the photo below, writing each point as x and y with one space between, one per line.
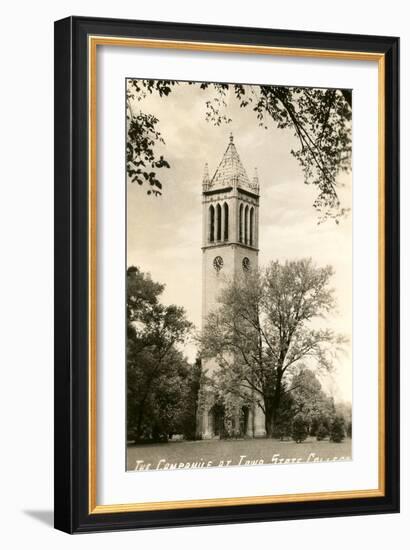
226 274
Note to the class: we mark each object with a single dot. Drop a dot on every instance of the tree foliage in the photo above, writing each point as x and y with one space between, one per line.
303 396
344 411
265 327
311 401
143 135
320 120
337 429
158 375
322 432
300 428
187 420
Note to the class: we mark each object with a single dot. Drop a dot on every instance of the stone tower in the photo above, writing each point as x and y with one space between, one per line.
230 238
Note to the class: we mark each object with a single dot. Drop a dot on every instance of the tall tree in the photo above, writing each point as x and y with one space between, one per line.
156 369
320 120
265 326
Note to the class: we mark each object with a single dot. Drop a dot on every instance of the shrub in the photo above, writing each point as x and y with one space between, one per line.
322 433
300 428
282 430
337 430
314 426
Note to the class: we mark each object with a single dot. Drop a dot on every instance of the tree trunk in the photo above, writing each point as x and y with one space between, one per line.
271 410
269 418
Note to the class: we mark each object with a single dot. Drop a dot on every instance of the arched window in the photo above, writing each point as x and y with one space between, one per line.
241 223
226 222
211 220
246 224
218 222
251 226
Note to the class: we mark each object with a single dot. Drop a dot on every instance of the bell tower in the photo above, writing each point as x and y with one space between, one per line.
230 239
230 231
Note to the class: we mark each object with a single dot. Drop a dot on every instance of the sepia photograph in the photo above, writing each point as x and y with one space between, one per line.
239 275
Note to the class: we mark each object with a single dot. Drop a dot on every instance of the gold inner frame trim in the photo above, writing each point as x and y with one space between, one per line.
93 42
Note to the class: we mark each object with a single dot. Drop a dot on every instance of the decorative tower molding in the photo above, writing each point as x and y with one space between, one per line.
205 180
255 181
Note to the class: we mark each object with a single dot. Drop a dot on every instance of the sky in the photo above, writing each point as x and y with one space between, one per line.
164 233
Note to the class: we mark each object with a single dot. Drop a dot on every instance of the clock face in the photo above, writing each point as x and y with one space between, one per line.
246 264
218 263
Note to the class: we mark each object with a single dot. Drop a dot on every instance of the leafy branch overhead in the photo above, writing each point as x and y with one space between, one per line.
320 120
143 135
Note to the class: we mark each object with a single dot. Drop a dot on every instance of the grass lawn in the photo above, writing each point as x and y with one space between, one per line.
199 454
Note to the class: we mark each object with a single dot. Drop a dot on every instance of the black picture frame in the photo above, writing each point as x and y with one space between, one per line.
71 485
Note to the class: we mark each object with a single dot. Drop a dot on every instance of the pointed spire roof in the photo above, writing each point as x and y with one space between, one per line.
231 173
